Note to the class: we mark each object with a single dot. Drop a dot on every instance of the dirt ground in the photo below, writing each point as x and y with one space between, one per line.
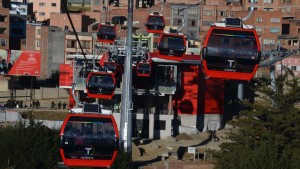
158 152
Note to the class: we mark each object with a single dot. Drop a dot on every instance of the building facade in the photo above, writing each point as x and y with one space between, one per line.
4 28
43 8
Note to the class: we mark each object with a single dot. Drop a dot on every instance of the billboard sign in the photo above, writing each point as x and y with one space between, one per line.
25 63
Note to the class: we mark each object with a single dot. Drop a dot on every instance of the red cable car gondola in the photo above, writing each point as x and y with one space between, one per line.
172 46
100 85
106 33
89 140
231 53
155 23
143 69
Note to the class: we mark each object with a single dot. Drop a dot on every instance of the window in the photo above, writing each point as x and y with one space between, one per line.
37 43
207 23
221 13
42 4
177 12
275 20
282 1
288 1
259 19
3 18
53 4
96 2
274 30
191 22
293 67
259 29
207 12
159 125
268 9
3 30
268 41
42 13
38 32
192 12
3 42
71 44
85 44
255 1
255 8
268 1
299 31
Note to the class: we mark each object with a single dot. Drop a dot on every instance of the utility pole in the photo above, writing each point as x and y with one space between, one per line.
126 105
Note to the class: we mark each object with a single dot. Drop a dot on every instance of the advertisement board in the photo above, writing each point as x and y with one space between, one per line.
25 63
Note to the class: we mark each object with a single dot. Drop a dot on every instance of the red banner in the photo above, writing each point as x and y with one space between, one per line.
27 63
65 75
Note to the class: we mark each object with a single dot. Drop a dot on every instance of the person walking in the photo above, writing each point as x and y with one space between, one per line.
59 105
64 105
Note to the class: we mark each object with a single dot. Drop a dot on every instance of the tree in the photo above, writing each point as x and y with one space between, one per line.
267 133
29 146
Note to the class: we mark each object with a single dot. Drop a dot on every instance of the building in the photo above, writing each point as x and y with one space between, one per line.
42 9
72 47
49 41
80 21
4 28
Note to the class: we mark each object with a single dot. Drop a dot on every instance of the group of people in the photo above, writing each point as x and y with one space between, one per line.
59 105
19 104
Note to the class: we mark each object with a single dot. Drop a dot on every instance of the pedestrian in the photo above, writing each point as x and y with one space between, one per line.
64 105
52 105
59 105
37 104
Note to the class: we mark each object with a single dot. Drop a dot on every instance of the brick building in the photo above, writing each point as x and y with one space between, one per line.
42 8
50 42
4 27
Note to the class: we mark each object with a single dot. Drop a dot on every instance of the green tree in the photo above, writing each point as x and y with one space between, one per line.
28 146
267 134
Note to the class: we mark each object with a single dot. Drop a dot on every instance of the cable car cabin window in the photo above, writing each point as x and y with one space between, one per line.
143 69
106 32
89 138
155 23
172 45
101 84
227 49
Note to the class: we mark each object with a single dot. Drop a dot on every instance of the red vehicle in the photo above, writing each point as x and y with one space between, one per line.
100 85
106 33
230 53
172 46
143 69
155 23
89 140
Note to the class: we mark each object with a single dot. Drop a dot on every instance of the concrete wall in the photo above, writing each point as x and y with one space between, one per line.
153 134
43 95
